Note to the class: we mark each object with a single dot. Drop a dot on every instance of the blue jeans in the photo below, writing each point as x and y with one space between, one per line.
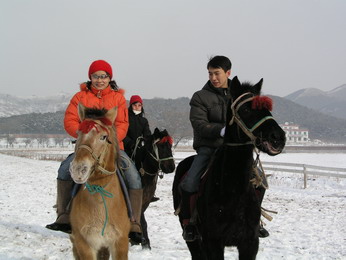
132 178
131 175
191 181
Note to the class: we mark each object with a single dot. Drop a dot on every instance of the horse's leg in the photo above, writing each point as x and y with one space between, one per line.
214 249
145 236
120 248
74 249
248 249
196 250
82 249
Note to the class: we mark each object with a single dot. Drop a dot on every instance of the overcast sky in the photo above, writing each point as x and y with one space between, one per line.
160 48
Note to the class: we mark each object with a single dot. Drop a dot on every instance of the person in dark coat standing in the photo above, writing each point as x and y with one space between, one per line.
138 124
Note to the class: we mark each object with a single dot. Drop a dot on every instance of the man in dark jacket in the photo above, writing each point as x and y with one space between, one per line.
208 117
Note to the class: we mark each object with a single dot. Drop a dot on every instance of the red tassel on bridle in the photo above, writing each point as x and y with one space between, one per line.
87 125
168 139
262 102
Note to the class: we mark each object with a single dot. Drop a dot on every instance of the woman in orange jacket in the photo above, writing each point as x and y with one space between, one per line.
100 92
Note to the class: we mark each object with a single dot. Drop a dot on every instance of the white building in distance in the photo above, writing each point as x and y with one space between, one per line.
295 134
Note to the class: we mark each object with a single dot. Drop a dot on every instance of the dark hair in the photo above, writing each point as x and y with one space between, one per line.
220 62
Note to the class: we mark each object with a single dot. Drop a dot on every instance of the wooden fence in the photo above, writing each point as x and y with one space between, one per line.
304 169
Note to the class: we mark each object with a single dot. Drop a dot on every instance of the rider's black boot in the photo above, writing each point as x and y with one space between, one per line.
62 223
190 232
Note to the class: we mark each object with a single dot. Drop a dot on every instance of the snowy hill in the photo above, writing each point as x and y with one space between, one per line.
11 105
331 102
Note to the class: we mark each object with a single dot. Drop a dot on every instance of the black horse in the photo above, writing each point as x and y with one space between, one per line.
150 159
228 209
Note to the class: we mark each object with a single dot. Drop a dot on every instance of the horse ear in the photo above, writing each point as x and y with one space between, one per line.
156 133
257 88
235 86
81 111
112 114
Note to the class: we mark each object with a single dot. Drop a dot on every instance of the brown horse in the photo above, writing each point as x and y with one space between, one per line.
99 218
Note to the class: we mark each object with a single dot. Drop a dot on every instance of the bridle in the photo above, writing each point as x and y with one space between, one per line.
241 100
98 158
237 119
157 158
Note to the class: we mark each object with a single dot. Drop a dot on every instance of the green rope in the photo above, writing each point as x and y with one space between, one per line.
99 189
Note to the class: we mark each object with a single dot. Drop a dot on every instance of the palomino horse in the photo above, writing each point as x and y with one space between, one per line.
99 219
228 209
155 156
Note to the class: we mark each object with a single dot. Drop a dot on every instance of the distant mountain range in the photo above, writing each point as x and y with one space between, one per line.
319 112
11 105
331 102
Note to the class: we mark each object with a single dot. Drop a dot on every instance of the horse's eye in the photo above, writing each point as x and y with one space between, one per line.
104 137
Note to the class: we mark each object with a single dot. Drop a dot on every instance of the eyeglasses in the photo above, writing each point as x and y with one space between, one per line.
103 76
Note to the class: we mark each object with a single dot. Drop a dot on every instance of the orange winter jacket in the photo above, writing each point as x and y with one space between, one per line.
106 98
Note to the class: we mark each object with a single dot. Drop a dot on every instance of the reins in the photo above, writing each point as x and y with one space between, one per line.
99 189
257 180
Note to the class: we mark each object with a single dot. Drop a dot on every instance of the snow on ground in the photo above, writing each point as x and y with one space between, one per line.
310 224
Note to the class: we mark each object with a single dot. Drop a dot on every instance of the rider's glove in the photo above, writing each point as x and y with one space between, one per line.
222 132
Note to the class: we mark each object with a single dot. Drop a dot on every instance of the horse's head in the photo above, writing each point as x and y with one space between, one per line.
96 144
162 145
250 112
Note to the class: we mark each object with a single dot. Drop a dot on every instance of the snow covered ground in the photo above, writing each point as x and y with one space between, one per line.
310 224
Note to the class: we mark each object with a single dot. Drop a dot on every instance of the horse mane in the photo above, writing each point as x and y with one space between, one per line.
94 113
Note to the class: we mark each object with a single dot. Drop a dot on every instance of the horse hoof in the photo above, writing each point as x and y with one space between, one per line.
190 233
262 232
146 246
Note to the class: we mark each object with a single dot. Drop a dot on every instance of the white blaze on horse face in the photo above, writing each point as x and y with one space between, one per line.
81 170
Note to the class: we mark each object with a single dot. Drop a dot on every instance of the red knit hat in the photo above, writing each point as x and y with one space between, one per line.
135 99
100 65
